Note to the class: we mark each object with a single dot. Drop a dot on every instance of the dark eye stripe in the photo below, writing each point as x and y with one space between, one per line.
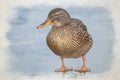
55 16
57 13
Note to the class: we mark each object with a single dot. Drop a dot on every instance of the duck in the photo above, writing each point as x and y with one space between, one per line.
68 38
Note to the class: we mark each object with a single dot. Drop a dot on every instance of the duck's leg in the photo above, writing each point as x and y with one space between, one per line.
63 67
84 68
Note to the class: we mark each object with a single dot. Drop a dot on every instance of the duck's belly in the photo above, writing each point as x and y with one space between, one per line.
64 46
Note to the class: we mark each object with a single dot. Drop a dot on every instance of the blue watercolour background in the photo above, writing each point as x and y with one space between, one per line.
30 51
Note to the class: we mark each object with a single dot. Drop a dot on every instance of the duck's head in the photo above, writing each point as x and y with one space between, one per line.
57 17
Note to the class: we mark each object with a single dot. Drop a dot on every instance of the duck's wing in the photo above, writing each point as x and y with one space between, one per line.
79 32
79 23
77 29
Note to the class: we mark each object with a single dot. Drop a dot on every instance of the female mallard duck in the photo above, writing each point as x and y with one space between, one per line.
68 38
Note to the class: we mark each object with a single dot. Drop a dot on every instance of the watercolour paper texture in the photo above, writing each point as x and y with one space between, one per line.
24 54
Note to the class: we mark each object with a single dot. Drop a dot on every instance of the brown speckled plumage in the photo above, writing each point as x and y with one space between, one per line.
68 37
71 40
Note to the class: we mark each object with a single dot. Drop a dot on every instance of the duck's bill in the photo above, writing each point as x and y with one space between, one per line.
46 23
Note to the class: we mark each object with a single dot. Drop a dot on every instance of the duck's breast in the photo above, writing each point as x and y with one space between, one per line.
62 42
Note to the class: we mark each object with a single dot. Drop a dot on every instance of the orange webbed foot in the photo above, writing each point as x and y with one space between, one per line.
63 69
83 69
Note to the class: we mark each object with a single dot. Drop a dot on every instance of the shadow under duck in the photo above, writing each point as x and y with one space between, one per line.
68 38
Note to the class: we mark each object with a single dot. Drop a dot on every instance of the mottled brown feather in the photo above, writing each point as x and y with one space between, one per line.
71 40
